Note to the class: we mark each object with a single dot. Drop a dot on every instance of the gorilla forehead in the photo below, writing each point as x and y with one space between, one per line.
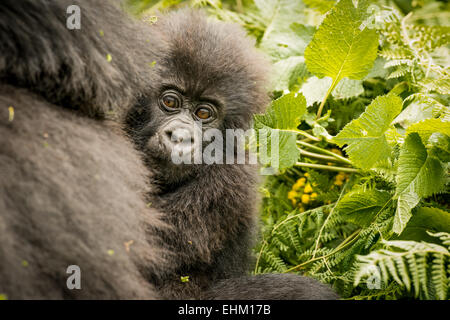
213 59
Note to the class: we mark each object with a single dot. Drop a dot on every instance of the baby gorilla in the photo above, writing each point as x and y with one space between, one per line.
211 77
73 186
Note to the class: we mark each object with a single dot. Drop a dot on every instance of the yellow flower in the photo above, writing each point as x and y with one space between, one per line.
339 182
292 194
305 198
308 188
300 183
340 176
306 174
313 196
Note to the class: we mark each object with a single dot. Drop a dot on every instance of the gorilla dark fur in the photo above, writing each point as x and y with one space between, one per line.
73 190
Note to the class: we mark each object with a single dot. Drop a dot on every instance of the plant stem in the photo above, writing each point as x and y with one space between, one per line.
343 244
325 167
322 150
322 104
319 156
239 6
259 255
303 133
316 246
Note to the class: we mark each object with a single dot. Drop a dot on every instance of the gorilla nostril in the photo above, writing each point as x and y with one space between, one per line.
181 136
168 134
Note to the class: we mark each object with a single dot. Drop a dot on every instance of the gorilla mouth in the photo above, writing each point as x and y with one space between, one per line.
161 146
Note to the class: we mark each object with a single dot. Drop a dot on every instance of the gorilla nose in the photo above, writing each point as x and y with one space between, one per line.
179 135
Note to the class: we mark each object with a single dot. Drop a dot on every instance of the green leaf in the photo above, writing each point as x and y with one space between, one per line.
287 71
280 40
276 131
348 88
339 47
378 70
421 107
360 207
413 113
426 219
365 137
320 5
427 127
405 203
315 89
417 171
439 146
285 112
418 176
277 149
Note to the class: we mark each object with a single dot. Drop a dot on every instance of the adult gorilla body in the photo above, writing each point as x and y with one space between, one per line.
73 190
72 187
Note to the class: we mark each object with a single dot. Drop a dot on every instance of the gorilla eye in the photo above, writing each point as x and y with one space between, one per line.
204 113
170 100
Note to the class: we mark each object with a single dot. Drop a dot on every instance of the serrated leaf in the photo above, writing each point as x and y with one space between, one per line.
378 70
320 5
418 176
279 40
315 89
417 171
361 207
340 48
413 113
278 148
439 146
365 137
287 71
348 88
427 127
405 203
286 112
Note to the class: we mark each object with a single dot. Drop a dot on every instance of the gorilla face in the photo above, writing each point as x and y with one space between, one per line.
207 80
179 119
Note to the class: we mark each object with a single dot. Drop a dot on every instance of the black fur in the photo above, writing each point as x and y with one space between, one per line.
72 186
212 208
270 287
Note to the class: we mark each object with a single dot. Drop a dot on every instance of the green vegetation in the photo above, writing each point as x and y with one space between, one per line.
360 110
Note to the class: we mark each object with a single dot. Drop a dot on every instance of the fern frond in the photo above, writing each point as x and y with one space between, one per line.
439 275
399 72
408 263
276 264
398 62
395 54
